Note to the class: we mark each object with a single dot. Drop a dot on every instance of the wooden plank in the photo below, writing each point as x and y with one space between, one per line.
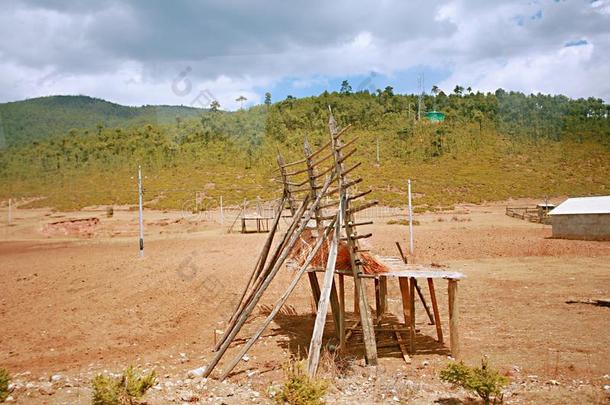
437 317
318 330
402 344
454 337
281 301
412 313
378 312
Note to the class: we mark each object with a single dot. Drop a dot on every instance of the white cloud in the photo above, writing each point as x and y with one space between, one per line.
132 52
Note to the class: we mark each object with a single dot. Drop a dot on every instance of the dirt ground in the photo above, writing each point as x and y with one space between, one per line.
72 305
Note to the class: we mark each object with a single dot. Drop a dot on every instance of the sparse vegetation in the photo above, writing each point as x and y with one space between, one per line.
402 222
486 382
128 389
5 380
490 147
299 388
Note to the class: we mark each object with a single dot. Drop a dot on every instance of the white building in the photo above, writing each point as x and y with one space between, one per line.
582 218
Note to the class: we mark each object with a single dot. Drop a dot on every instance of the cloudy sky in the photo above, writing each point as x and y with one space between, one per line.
192 51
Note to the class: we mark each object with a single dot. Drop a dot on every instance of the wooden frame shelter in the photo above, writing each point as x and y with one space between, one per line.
329 200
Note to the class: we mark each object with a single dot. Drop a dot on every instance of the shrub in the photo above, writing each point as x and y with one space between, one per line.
126 390
486 382
5 379
299 388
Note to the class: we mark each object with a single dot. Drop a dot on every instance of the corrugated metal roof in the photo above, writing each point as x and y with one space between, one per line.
583 205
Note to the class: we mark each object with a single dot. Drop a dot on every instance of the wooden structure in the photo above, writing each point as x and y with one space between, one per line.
320 194
532 214
261 224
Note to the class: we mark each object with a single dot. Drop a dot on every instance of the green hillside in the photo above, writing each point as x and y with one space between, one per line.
25 121
490 147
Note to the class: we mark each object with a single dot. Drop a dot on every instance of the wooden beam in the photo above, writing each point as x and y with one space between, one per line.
402 344
403 283
437 317
318 329
412 314
454 338
342 340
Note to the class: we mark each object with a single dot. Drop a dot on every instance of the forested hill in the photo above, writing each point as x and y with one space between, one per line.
38 118
491 146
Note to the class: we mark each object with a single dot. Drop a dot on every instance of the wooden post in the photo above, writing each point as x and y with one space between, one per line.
411 247
437 317
383 293
368 332
412 313
10 211
454 338
318 329
140 219
405 295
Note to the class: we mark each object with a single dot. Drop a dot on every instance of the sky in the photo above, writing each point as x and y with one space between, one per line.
189 52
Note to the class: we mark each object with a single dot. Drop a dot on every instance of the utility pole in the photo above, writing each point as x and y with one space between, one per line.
140 210
410 220
378 161
421 95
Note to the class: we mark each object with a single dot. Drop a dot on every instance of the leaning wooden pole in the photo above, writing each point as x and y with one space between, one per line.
263 274
282 300
241 320
262 258
318 329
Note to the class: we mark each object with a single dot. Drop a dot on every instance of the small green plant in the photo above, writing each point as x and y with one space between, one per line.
486 382
299 388
402 222
5 379
126 390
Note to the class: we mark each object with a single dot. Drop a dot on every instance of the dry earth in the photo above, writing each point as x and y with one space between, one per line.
75 304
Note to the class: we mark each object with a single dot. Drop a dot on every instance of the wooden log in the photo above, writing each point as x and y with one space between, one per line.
383 293
315 287
362 207
347 155
318 329
403 283
437 317
412 313
322 159
344 186
241 320
342 340
359 195
402 255
402 344
423 301
454 338
262 258
281 301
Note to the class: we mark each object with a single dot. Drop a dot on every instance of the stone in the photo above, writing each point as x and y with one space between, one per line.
198 372
56 377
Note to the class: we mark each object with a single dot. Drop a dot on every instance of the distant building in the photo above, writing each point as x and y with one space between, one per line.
435 116
585 218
